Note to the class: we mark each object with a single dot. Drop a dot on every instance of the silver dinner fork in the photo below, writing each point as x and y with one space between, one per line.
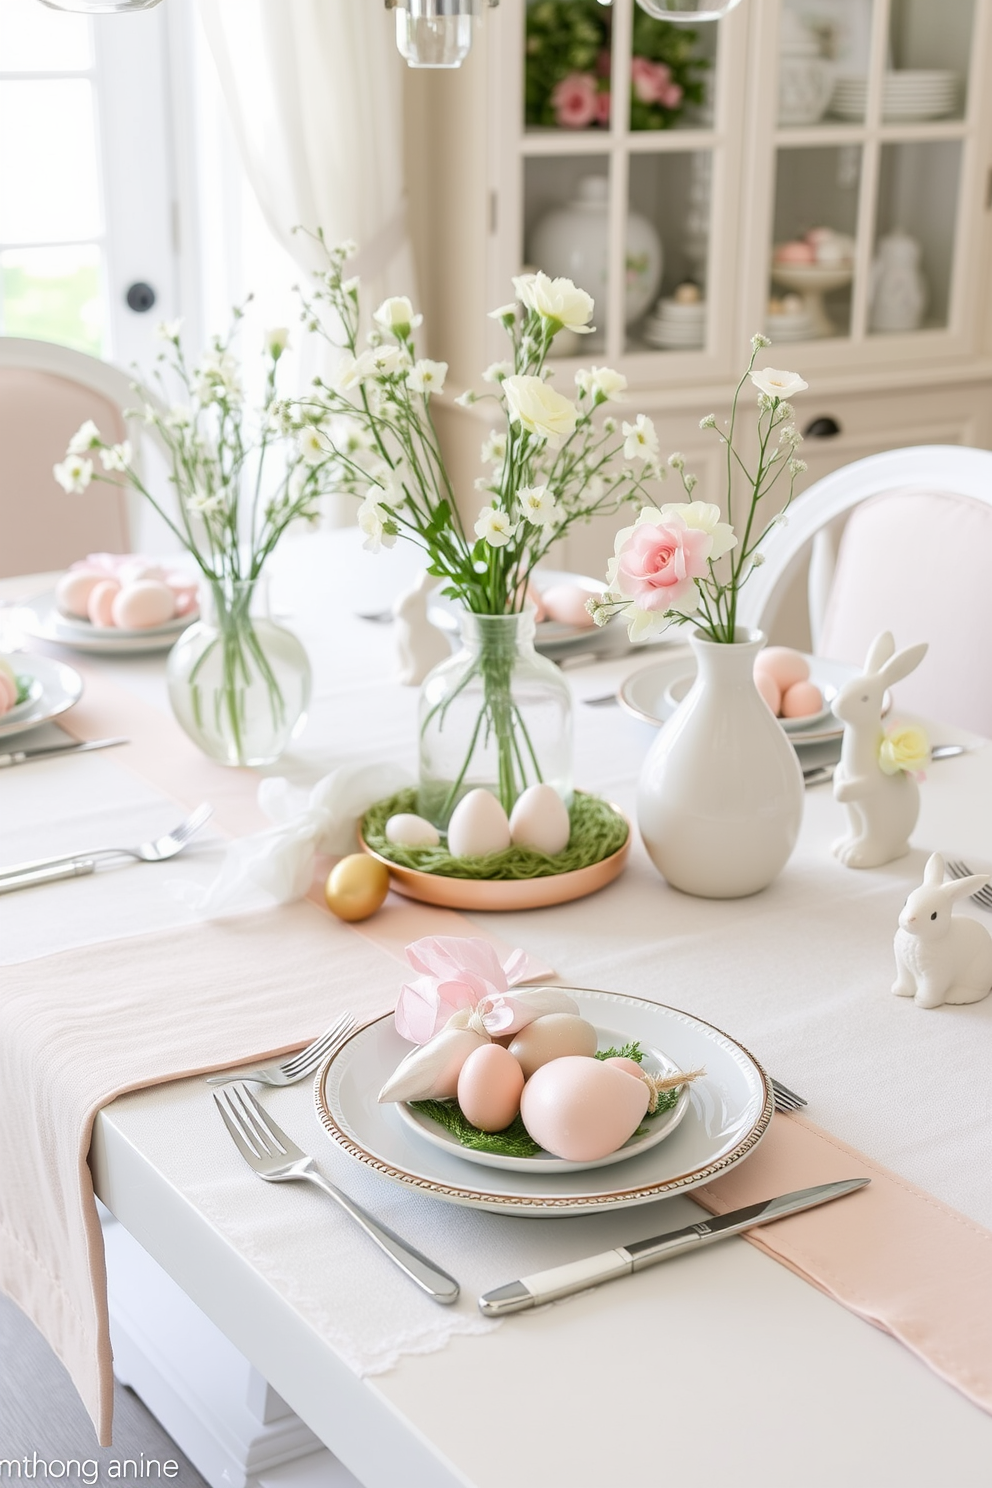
299 1065
77 865
268 1151
786 1099
957 869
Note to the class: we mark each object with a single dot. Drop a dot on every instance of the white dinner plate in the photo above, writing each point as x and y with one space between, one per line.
54 687
40 619
655 1129
728 1112
646 695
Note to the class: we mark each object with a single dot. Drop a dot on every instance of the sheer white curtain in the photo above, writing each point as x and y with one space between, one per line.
314 89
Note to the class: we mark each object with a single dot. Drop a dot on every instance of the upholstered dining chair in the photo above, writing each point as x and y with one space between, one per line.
900 541
46 393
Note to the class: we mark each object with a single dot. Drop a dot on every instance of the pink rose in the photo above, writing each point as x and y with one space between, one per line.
642 79
574 100
659 563
671 97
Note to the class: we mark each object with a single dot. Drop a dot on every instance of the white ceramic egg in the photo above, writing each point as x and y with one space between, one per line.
489 1087
478 826
552 1037
583 1109
566 603
540 820
99 606
73 590
406 829
143 605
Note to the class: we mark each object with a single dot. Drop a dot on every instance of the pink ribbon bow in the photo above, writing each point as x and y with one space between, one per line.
457 973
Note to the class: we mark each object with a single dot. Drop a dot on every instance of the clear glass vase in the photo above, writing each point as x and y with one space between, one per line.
238 683
497 715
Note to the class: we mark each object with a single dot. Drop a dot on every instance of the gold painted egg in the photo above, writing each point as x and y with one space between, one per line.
356 887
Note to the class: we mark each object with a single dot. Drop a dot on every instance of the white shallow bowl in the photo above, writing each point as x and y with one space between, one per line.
679 687
54 687
657 1128
41 619
728 1112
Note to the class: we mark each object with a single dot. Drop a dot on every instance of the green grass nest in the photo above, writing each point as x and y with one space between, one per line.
597 833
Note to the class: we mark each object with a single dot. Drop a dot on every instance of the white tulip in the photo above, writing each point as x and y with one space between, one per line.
778 385
494 527
539 409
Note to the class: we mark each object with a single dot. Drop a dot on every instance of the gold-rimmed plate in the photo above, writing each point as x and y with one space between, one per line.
729 1111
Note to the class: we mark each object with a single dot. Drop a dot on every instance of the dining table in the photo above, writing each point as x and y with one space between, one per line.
729 1364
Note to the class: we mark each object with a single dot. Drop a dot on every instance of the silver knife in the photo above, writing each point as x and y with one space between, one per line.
819 774
578 1276
50 751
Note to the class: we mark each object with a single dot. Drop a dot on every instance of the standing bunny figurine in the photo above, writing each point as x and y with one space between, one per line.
881 808
938 958
421 646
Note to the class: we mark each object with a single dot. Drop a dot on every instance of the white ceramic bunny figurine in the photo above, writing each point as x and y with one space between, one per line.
419 643
938 958
881 809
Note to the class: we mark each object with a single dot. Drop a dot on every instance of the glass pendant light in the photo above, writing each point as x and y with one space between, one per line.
99 7
435 33
688 12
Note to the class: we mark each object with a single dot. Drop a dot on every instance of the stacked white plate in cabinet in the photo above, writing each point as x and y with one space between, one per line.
796 325
907 95
674 326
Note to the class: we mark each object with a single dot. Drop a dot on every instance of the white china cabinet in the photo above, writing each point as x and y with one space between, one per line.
832 185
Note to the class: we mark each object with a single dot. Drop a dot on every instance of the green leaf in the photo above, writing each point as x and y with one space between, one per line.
628 1051
513 1141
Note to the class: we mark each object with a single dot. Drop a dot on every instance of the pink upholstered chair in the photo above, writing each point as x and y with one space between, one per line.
901 541
46 392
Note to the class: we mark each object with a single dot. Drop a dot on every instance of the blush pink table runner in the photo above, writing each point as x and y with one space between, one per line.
77 1030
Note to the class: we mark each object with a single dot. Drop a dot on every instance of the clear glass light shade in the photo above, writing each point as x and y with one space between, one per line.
435 33
99 7
688 12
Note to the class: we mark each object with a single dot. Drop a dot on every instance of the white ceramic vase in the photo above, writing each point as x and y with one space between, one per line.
720 799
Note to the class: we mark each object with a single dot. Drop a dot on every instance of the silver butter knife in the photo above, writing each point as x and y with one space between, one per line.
52 751
578 1276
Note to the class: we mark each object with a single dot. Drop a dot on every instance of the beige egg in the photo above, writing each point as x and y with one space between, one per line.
769 689
100 605
73 590
406 829
802 700
356 887
566 603
583 1109
630 1065
478 826
143 605
540 820
552 1037
489 1087
782 663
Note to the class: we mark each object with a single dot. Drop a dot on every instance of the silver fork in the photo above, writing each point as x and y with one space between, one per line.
299 1065
77 865
957 869
786 1099
268 1151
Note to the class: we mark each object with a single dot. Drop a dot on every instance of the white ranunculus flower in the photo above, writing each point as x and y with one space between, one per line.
74 474
396 315
118 457
640 439
494 527
539 409
556 299
426 376
778 385
86 437
704 516
601 384
276 341
538 505
312 445
372 520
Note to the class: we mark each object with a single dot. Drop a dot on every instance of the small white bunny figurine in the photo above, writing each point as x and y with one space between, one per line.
881 809
938 958
419 643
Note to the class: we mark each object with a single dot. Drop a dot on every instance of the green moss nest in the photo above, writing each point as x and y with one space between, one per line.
597 833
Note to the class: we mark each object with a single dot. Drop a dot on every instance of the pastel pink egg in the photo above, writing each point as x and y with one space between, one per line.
100 605
73 590
490 1084
582 1109
185 597
143 605
802 700
769 689
8 692
630 1065
533 596
782 663
566 603
795 253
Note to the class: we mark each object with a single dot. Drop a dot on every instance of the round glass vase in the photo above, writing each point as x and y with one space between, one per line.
496 714
238 683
